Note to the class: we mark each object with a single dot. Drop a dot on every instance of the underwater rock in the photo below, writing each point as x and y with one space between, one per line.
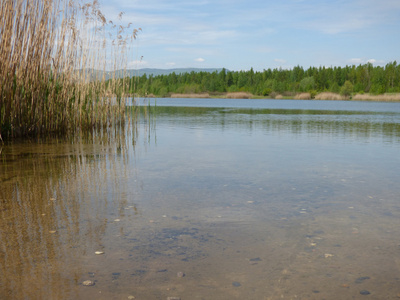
236 284
180 274
364 292
361 279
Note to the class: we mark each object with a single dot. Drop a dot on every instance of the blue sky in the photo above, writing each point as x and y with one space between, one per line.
262 34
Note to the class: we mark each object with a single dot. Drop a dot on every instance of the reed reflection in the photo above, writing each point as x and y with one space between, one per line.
56 199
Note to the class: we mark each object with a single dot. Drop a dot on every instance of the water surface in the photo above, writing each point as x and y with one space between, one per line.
248 199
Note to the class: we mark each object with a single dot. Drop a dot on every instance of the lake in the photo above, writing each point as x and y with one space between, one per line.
208 199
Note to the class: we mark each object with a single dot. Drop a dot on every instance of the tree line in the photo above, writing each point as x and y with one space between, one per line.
346 80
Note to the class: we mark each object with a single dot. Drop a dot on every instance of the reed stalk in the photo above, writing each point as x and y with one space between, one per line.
48 53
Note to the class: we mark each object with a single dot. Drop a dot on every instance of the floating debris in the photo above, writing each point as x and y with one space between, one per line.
327 255
131 297
52 199
99 252
88 283
52 231
173 298
117 220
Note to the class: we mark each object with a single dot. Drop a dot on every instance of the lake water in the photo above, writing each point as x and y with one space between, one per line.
208 199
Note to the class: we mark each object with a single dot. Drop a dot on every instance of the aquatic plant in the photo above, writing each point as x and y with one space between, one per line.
48 53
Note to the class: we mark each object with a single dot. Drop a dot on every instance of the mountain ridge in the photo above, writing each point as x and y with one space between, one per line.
94 73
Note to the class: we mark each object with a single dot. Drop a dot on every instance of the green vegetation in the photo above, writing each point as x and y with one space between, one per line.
270 83
43 44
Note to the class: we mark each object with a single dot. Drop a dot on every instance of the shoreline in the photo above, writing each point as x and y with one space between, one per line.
395 97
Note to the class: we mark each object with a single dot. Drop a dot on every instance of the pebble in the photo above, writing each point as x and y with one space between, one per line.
255 259
180 274
361 279
236 284
52 231
99 252
327 255
364 292
88 283
162 270
131 297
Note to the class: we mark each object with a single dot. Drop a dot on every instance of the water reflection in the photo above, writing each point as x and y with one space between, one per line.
356 125
259 203
56 198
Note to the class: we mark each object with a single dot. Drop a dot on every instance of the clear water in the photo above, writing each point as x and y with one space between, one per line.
249 199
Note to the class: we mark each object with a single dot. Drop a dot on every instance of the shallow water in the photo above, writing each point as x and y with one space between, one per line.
208 199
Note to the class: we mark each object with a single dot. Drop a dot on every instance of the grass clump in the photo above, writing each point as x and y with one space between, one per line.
194 95
330 96
384 98
239 95
47 49
303 96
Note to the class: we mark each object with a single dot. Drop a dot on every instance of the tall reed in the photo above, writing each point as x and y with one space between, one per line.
48 53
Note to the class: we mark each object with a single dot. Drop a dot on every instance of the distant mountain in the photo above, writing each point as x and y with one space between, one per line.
156 72
140 72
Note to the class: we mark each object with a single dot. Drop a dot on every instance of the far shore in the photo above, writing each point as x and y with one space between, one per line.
298 96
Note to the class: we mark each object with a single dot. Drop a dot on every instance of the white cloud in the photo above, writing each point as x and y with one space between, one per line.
170 64
200 59
362 61
356 61
135 64
281 61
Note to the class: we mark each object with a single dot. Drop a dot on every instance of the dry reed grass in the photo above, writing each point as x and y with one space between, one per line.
191 95
384 98
329 96
303 96
239 95
42 45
